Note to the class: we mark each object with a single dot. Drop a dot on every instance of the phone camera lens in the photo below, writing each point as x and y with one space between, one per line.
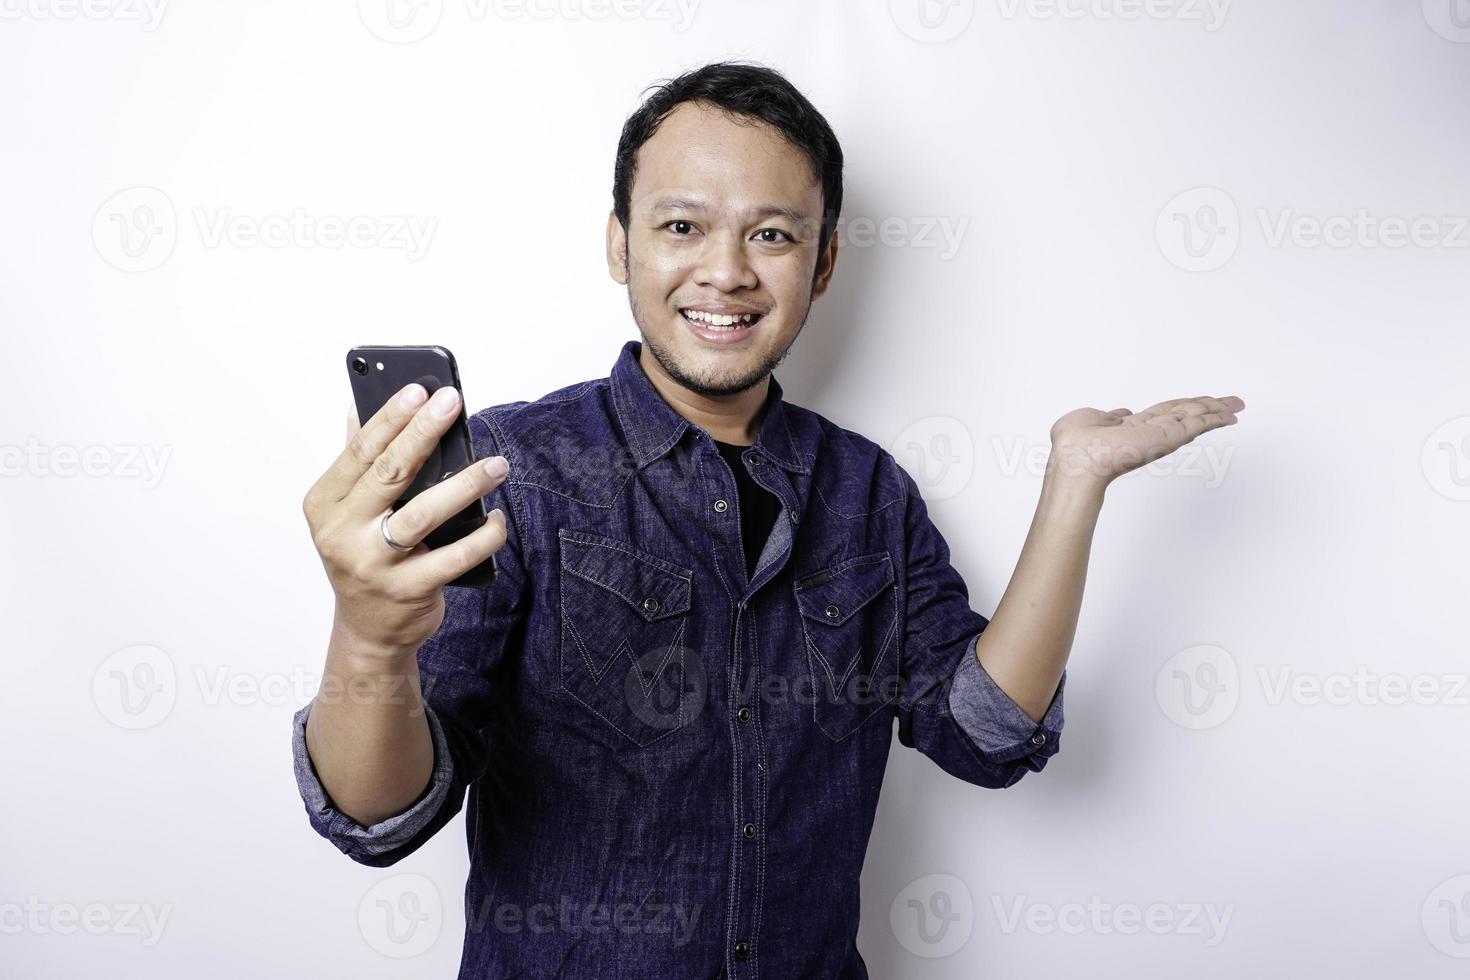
360 365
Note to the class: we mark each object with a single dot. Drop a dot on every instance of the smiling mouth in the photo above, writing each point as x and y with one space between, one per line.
720 321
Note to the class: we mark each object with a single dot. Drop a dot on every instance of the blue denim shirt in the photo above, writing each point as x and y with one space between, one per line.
672 771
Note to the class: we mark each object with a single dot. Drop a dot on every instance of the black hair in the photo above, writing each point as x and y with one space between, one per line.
746 89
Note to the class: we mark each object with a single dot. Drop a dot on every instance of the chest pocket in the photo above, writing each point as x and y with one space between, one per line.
623 616
849 618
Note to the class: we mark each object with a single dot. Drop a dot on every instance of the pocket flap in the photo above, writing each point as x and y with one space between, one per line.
654 587
834 594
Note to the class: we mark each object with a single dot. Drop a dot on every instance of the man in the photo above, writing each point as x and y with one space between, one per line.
672 710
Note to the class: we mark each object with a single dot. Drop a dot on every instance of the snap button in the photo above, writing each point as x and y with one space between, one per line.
755 459
831 612
721 506
742 950
748 830
1038 739
743 714
650 604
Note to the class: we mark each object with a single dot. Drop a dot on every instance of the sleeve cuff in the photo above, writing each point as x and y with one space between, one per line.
1001 731
348 835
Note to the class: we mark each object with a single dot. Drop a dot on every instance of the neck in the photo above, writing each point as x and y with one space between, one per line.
729 418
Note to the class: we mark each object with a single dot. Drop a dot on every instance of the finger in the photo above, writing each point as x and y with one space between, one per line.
443 565
1181 407
416 519
394 467
1120 412
364 445
353 425
1181 426
1162 408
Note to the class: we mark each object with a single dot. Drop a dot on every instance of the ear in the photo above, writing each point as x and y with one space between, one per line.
617 249
826 264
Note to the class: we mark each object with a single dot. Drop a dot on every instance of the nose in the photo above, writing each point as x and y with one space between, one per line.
723 263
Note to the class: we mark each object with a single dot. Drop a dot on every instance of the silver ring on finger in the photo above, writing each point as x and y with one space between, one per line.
383 524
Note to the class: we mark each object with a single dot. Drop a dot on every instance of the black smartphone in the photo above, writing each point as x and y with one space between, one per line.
377 373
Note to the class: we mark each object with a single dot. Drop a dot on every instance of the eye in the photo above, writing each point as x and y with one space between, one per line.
774 231
683 227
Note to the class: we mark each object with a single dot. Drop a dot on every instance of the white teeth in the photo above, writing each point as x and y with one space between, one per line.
719 319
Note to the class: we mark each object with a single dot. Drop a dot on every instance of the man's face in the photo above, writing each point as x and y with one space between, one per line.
724 217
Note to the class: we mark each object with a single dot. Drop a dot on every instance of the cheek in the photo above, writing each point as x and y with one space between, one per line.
659 261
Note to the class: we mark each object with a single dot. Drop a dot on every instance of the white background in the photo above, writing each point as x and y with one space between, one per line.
1320 541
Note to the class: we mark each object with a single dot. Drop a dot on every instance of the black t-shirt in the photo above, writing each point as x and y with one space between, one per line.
758 506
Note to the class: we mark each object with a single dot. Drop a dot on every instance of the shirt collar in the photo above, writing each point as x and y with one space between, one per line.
652 427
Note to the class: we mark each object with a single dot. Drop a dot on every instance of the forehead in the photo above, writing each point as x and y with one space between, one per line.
732 162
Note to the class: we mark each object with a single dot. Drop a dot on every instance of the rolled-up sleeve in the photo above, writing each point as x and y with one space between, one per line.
369 844
460 686
949 707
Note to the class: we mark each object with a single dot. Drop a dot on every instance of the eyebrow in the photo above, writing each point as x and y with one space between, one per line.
693 204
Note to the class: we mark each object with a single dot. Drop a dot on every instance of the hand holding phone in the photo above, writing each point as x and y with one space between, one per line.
407 474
